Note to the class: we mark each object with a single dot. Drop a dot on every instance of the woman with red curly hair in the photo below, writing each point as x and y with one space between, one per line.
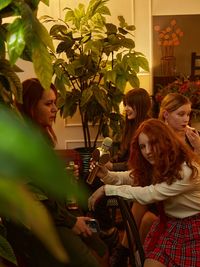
166 171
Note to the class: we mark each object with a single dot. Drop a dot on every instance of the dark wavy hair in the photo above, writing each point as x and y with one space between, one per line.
31 94
138 99
169 154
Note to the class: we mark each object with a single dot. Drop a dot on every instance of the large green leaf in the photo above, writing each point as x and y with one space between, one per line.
111 28
101 97
37 42
111 76
121 82
4 3
25 154
128 43
133 80
43 35
122 21
58 31
86 96
104 10
6 250
18 204
42 63
15 40
72 98
46 2
142 61
97 6
133 61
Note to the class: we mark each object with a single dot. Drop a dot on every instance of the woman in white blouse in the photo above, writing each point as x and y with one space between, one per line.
167 172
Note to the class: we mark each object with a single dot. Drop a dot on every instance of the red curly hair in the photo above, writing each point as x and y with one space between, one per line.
169 154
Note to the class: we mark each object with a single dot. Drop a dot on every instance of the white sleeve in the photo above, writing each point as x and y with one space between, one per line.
152 193
118 178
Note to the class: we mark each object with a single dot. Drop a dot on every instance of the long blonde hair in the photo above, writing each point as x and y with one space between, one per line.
172 102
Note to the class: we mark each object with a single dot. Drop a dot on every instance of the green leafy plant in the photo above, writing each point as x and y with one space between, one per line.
22 37
93 63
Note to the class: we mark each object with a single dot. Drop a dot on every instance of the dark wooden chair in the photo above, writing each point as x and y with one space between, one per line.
195 66
132 232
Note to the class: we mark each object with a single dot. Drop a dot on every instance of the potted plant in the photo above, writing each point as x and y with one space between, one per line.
93 63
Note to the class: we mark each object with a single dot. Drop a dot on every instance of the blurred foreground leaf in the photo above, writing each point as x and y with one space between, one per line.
17 203
6 250
25 155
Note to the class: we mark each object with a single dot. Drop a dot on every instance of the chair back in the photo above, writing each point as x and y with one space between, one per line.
132 232
195 66
68 155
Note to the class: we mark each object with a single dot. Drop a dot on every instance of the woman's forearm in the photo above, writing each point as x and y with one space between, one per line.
118 178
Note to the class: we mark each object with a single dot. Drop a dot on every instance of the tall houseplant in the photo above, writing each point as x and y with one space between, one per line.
93 63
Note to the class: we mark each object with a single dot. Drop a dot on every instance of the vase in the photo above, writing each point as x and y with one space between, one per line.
168 61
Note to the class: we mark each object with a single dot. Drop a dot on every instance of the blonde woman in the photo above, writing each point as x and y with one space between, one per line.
175 111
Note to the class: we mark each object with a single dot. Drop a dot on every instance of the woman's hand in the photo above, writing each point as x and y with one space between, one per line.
194 138
76 171
102 170
81 228
99 193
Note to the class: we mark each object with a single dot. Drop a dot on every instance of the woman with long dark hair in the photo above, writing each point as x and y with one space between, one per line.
83 247
137 108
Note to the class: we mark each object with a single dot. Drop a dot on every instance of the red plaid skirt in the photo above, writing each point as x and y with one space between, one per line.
176 243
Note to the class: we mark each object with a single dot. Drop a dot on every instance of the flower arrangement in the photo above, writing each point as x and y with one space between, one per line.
190 89
169 37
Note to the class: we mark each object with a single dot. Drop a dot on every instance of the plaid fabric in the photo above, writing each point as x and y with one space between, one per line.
178 243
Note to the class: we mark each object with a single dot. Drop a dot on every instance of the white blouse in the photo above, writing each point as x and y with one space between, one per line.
181 199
